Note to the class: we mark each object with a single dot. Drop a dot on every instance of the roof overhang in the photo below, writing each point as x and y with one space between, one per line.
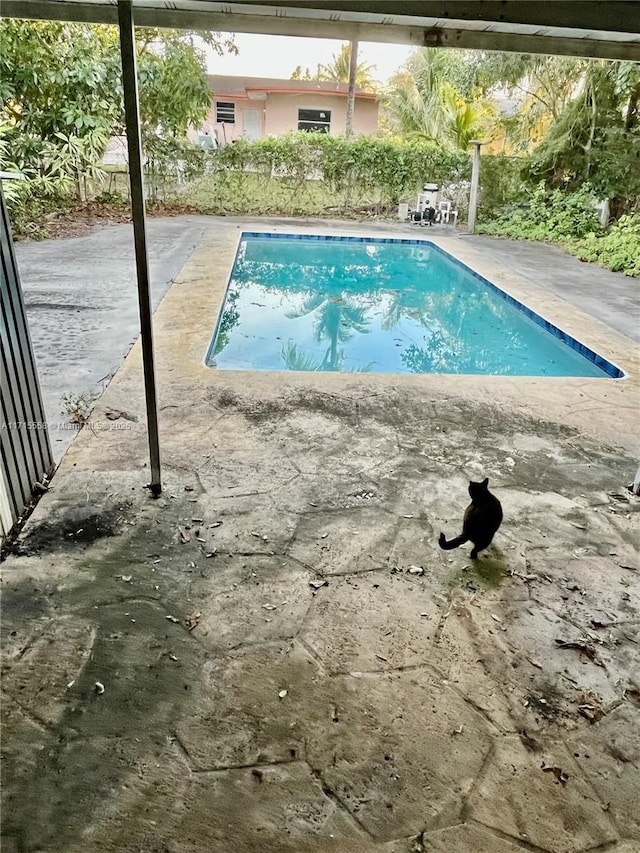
608 29
257 92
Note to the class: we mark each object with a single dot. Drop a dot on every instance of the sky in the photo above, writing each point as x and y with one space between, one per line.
278 56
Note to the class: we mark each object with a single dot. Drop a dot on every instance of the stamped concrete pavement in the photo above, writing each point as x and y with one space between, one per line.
276 657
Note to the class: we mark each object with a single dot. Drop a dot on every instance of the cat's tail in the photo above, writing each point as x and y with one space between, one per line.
452 543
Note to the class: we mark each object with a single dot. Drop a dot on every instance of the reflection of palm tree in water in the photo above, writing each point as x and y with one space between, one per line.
338 319
439 314
410 306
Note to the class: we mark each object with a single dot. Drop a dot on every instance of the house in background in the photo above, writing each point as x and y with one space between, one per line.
254 107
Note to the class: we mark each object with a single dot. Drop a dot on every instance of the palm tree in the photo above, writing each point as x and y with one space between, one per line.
414 116
337 320
424 104
463 120
338 70
351 96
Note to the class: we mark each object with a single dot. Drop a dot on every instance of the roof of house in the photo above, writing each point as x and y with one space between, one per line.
240 87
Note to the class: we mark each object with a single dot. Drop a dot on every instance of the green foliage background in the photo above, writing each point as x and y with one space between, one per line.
576 136
548 215
618 249
61 101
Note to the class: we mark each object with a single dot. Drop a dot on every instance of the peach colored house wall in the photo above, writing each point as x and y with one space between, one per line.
282 113
278 114
229 132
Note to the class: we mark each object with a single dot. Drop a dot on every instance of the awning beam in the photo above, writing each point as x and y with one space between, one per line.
591 28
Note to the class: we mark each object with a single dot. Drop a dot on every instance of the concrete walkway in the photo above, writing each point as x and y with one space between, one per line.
276 657
82 305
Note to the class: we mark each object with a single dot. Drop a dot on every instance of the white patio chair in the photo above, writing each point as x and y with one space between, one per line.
444 209
446 215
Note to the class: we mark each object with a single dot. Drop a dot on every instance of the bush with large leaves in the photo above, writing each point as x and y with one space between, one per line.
548 215
61 100
618 249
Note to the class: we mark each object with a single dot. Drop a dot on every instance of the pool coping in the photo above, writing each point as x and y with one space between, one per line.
612 370
185 318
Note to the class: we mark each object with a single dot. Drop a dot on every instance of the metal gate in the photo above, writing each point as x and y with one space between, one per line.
24 441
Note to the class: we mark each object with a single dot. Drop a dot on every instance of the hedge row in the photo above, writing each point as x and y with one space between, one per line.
315 171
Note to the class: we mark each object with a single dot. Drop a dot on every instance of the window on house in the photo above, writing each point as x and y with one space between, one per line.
225 112
316 121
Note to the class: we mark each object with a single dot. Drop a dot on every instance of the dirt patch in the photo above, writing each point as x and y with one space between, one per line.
398 407
81 219
74 526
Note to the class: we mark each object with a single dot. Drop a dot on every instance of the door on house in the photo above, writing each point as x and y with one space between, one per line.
251 124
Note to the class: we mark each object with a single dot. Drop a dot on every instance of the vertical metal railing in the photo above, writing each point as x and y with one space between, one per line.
25 449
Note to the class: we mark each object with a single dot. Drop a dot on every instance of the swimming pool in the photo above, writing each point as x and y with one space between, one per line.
333 303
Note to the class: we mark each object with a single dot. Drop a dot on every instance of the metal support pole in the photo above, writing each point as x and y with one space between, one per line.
475 176
132 120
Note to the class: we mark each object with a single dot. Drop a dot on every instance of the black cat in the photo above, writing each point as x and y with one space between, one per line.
482 518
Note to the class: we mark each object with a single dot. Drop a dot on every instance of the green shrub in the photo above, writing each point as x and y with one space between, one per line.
548 216
618 249
167 160
501 183
571 220
304 173
28 201
52 172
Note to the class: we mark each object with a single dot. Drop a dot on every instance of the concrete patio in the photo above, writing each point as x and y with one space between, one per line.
276 656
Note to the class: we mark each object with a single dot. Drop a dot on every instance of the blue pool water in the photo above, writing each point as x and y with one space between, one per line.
380 306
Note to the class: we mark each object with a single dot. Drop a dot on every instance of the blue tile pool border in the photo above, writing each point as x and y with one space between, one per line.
612 370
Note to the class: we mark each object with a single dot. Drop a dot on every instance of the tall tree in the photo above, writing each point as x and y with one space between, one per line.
577 117
339 67
424 103
540 86
596 139
351 94
61 90
57 103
